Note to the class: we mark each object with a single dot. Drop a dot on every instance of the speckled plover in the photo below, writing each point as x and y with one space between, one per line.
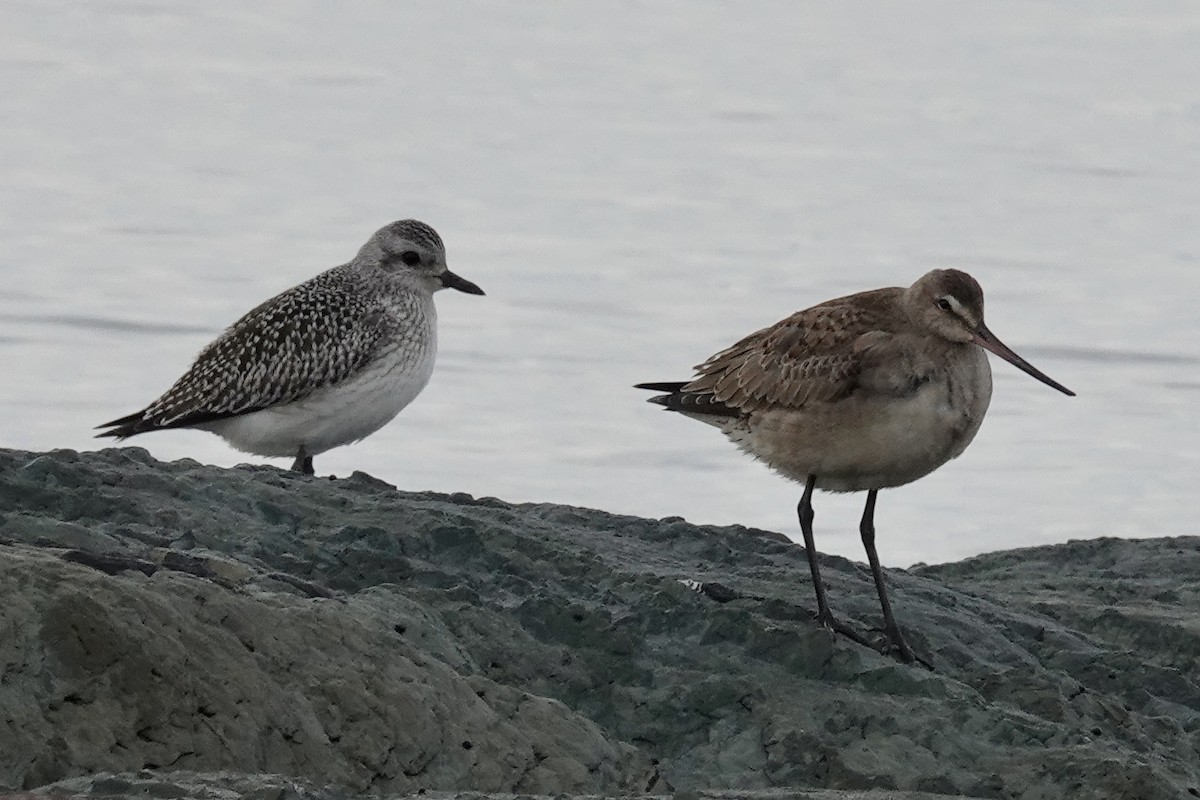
861 393
323 364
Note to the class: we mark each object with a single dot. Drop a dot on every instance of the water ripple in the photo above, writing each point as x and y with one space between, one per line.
1114 356
107 324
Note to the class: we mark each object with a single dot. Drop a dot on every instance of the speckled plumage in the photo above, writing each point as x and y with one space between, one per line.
322 364
864 392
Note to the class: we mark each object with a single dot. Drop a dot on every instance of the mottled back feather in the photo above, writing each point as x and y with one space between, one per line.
816 355
280 352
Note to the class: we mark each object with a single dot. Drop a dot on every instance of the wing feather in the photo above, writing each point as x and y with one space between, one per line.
280 352
813 356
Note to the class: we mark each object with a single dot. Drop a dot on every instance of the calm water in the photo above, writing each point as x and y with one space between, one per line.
636 186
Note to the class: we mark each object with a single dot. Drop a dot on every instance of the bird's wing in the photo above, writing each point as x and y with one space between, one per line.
813 356
278 353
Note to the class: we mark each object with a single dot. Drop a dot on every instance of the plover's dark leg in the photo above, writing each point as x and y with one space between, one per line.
303 463
825 617
890 629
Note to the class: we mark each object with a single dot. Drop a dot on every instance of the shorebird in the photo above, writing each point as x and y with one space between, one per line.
325 363
860 393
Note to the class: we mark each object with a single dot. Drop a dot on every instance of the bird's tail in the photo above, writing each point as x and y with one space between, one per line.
663 386
676 399
125 427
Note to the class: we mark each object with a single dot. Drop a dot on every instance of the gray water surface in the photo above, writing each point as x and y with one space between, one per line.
636 186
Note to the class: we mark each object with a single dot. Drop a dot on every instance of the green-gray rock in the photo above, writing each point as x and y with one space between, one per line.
263 632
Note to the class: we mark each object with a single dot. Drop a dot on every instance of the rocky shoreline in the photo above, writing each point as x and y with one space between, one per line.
251 632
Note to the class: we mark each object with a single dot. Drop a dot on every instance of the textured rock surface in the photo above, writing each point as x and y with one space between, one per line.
252 622
182 785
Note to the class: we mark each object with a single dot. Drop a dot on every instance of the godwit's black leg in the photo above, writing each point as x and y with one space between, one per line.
824 616
805 512
890 629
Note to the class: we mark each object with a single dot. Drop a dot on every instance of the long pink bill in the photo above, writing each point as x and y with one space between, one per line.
988 341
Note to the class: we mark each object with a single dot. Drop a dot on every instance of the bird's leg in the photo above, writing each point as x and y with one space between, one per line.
805 512
890 629
825 617
303 463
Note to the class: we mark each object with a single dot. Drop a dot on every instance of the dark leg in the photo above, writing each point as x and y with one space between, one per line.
805 512
303 463
825 618
890 629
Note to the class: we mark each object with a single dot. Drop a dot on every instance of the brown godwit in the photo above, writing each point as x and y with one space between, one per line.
861 393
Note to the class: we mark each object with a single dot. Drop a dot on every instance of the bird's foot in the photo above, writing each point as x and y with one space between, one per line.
828 621
896 645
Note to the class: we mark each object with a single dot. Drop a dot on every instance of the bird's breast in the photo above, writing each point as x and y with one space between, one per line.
875 440
340 413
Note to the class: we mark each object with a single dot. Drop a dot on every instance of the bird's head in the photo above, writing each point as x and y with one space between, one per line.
949 304
411 252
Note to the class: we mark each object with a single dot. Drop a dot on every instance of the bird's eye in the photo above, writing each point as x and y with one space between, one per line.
411 257
944 304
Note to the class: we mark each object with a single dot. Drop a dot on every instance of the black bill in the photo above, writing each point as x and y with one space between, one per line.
452 281
988 341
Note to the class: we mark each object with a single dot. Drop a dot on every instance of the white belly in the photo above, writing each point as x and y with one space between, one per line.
334 415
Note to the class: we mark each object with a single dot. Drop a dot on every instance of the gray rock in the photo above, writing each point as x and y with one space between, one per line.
183 785
255 629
